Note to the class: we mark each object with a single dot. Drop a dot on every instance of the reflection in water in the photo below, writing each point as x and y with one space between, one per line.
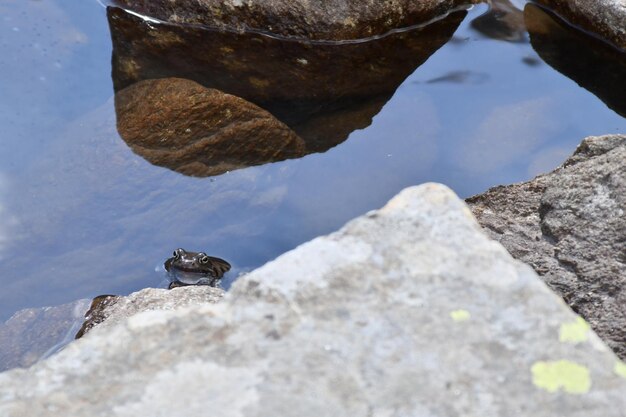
36 333
506 134
503 21
200 132
461 77
531 61
96 218
593 64
8 221
322 92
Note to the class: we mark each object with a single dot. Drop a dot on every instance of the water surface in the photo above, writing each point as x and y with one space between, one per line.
81 214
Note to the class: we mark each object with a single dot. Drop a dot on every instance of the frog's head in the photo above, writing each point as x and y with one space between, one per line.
192 267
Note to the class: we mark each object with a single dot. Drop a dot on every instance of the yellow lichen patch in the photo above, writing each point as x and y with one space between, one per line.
569 376
460 315
574 332
620 369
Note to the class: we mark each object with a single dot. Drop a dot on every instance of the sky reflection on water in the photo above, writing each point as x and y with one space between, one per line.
81 214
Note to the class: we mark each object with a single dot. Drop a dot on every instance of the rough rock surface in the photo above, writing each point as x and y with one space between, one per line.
408 311
604 18
197 131
108 310
34 332
570 226
310 19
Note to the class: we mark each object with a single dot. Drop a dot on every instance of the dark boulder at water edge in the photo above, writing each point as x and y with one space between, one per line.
308 19
604 18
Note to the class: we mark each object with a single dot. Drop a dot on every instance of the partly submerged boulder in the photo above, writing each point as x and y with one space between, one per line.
407 311
305 19
604 18
570 226
322 90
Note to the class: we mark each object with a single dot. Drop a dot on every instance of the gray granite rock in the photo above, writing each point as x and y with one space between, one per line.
309 19
570 226
407 311
109 310
604 18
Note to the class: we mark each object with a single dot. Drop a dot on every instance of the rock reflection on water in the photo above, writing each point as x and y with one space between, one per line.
593 64
201 132
461 77
503 21
318 93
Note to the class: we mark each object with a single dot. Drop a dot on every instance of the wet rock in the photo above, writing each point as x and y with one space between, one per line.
197 131
593 64
322 91
97 313
33 333
603 18
109 310
318 19
408 310
570 226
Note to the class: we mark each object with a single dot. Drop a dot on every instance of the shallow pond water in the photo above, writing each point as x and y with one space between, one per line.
81 214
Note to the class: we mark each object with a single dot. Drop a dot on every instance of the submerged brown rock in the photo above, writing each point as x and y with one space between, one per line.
310 19
197 131
593 64
322 91
570 226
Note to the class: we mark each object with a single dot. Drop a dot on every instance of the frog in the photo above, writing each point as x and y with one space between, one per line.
194 268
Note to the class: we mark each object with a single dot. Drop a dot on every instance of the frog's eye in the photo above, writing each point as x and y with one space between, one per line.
177 253
204 260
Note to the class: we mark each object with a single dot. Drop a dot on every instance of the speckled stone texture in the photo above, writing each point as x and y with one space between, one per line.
570 226
115 309
310 19
407 311
604 18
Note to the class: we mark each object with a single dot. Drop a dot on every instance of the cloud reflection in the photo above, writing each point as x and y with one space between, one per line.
507 135
7 220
